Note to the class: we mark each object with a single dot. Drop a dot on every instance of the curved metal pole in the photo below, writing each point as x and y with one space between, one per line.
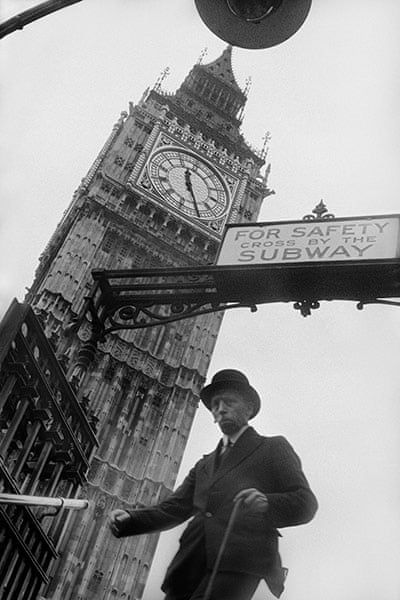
32 14
236 505
71 503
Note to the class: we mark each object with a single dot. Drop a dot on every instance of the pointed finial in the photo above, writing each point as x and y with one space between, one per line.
163 75
202 55
144 96
319 212
267 173
249 81
266 139
320 209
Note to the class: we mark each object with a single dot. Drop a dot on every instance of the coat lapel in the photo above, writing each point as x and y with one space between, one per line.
244 447
210 462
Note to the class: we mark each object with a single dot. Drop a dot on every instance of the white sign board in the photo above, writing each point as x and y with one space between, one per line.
358 238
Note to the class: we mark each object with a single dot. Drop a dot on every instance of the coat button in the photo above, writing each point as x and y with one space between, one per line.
208 514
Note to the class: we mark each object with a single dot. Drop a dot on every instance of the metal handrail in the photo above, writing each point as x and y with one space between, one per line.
70 503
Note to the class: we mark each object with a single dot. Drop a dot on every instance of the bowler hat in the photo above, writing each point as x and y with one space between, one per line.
231 379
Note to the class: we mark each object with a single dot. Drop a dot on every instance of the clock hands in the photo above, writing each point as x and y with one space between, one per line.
189 187
189 184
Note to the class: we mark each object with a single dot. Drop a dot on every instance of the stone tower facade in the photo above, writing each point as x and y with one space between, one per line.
173 172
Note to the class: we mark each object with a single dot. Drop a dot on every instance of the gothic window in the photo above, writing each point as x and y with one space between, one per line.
95 580
128 206
157 401
141 394
124 251
108 241
167 375
139 400
110 370
142 580
121 569
137 259
125 384
105 187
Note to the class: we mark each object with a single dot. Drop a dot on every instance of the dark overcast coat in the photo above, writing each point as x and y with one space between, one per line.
266 463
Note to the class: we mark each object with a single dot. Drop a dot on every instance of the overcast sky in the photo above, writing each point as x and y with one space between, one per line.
329 96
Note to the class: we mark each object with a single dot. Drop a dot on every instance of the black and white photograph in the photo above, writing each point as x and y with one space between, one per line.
199 300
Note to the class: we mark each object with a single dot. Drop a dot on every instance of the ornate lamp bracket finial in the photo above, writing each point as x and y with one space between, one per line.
306 306
319 212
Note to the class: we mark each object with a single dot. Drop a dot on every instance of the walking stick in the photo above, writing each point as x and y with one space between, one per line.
222 547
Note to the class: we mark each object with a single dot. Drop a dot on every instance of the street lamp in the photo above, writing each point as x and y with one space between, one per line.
246 23
253 23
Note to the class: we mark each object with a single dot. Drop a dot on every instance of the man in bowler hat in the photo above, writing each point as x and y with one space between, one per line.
262 473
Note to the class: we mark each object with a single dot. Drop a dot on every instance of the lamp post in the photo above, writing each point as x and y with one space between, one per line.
245 23
33 14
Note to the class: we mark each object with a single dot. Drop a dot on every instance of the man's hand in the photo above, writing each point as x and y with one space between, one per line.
253 500
115 518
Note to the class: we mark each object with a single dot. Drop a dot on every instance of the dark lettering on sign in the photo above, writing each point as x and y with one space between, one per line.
354 239
246 256
317 252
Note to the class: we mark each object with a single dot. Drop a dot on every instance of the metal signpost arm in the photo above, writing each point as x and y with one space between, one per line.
33 14
136 299
298 270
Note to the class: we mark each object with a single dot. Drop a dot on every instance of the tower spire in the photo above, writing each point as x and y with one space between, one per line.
221 68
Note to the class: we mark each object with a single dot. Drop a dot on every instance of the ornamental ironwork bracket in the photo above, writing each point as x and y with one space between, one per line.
362 303
133 299
136 299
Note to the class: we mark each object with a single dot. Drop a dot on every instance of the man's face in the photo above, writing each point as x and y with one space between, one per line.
230 411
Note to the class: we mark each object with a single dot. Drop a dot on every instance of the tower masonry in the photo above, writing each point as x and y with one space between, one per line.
174 171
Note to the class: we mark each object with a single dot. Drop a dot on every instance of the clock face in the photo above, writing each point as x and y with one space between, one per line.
188 183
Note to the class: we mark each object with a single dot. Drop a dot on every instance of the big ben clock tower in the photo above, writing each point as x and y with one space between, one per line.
173 172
